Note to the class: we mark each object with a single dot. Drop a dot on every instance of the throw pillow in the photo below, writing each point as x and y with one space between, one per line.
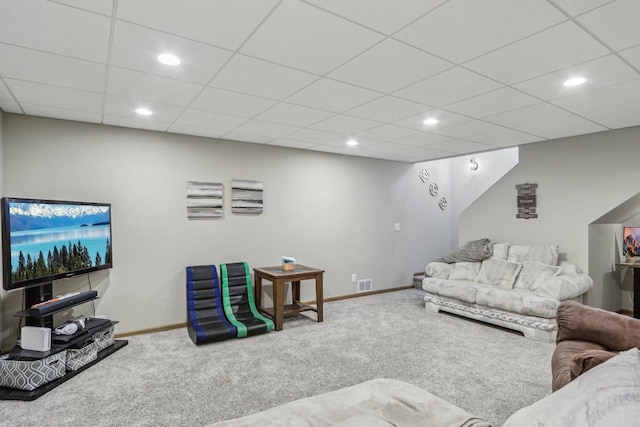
567 267
540 253
533 274
501 250
438 270
497 272
464 271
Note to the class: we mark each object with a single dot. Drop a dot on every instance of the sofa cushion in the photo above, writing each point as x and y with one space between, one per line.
533 273
378 402
465 271
588 359
517 301
546 254
438 270
501 250
497 272
607 395
565 286
460 290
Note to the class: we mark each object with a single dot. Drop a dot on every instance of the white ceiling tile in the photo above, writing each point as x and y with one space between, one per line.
330 95
294 115
382 15
463 130
208 120
421 153
384 147
146 87
615 23
55 28
578 7
329 149
606 105
269 129
531 114
606 71
248 137
103 7
133 122
448 87
41 67
632 55
4 91
389 66
554 49
196 131
388 133
261 78
54 96
313 136
504 138
295 29
345 125
445 118
459 33
137 48
422 139
125 107
459 146
494 102
10 106
221 23
561 127
233 103
387 109
289 143
56 112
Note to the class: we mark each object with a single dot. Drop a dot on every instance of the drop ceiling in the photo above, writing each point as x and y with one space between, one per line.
313 74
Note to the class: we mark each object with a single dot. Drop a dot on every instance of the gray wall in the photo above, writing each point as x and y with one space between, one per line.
331 211
579 180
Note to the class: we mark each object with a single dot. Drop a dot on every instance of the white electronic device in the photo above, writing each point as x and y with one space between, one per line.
35 338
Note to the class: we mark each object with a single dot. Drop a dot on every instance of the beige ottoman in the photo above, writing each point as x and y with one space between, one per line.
379 402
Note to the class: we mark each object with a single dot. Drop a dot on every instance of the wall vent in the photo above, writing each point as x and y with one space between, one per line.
365 285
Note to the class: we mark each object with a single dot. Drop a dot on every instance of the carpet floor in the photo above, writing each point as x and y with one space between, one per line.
163 379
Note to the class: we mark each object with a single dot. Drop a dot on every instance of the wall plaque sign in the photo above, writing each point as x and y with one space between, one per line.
526 201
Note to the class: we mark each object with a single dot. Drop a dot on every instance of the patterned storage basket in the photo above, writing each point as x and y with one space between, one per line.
104 338
31 374
77 358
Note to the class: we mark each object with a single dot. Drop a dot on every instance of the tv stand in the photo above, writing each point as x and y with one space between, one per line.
43 317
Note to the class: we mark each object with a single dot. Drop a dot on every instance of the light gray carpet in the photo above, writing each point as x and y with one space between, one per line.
163 379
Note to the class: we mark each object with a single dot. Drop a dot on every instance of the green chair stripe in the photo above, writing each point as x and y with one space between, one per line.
226 302
252 304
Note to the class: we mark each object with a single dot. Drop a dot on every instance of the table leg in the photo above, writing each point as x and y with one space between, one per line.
636 293
258 289
295 291
278 303
319 296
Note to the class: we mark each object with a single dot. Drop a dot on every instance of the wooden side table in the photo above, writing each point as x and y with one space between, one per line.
636 285
279 277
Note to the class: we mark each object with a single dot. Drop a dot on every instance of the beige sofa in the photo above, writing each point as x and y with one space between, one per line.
519 287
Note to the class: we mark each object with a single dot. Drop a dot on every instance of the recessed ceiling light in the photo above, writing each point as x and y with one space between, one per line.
430 121
169 59
574 81
352 143
144 111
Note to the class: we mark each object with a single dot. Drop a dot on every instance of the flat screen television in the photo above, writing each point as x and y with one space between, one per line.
46 240
631 242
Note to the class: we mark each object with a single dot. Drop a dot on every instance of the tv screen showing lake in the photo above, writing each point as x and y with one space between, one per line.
49 239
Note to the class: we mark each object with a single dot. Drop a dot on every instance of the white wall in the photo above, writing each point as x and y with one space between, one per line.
330 211
467 185
579 179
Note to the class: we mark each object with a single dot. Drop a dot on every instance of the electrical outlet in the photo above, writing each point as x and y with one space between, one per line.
396 226
353 278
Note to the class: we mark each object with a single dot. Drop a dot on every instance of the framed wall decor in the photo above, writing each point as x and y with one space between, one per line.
246 197
204 199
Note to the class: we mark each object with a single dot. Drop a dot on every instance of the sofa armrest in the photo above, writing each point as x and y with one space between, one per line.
565 286
438 270
611 330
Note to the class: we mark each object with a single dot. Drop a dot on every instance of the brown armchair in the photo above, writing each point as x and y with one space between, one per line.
588 336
